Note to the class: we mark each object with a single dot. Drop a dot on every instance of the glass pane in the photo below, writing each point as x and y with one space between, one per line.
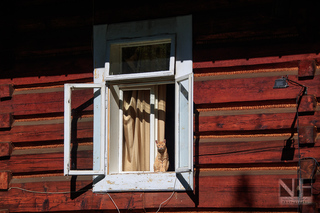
184 124
140 58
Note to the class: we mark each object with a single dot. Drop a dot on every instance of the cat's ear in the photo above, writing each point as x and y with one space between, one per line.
164 141
156 142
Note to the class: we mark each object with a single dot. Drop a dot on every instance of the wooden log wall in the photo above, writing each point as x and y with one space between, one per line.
242 125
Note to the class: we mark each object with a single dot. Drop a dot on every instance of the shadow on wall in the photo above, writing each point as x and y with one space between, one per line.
243 193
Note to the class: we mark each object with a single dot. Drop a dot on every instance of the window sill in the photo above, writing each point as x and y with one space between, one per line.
152 181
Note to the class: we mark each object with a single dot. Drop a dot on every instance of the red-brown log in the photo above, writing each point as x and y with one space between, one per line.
45 163
309 208
245 61
42 103
307 68
240 190
308 168
307 135
255 152
5 178
6 91
308 103
52 66
49 80
252 122
41 132
6 120
248 89
5 149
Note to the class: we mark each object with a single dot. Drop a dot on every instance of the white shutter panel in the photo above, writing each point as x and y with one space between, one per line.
99 96
184 124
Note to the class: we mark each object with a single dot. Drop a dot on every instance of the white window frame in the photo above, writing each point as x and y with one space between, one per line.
179 29
159 39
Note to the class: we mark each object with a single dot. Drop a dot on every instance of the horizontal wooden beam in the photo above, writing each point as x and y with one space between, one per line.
48 80
253 122
242 191
45 100
253 152
41 131
45 163
250 61
248 90
54 65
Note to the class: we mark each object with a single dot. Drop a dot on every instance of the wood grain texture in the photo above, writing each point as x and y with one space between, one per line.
45 163
48 132
254 122
308 103
45 101
81 198
219 154
238 62
307 135
230 39
5 178
6 120
6 90
5 149
250 89
232 190
32 81
241 191
306 68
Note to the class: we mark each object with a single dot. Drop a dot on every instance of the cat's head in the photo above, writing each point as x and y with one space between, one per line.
161 145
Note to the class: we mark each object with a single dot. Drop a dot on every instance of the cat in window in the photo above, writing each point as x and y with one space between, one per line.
161 163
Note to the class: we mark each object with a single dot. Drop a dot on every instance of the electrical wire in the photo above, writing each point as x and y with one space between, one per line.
66 192
174 187
114 203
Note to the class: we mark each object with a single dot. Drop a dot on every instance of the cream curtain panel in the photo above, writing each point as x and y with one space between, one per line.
161 115
136 127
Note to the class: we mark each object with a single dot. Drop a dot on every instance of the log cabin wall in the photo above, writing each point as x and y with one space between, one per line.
242 125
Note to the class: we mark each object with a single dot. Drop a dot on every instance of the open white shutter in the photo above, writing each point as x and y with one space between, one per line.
99 97
184 130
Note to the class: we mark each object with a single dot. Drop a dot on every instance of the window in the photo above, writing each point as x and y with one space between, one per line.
143 92
151 56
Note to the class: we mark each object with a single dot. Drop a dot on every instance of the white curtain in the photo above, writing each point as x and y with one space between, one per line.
136 127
